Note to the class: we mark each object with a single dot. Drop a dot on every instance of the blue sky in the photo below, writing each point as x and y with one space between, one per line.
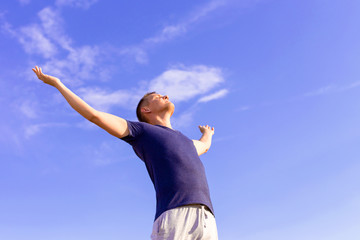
279 81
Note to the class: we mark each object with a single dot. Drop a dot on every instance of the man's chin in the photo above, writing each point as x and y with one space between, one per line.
171 108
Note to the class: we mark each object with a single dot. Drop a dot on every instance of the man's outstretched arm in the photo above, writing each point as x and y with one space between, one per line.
114 125
203 144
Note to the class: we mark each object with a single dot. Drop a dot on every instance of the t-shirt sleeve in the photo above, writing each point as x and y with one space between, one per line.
135 130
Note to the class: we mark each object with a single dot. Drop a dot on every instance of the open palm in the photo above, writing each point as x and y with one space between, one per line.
44 77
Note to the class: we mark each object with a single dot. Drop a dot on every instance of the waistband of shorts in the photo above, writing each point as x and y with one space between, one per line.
197 205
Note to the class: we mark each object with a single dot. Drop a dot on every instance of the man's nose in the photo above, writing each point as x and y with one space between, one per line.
166 97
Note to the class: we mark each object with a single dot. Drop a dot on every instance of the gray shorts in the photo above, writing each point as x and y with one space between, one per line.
185 222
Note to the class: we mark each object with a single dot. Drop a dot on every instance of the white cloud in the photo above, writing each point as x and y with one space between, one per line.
181 84
104 154
10 138
40 39
216 95
69 63
206 10
33 129
184 119
103 100
87 125
332 88
321 91
184 83
85 4
34 41
136 53
52 25
243 108
169 32
350 86
24 2
78 65
28 109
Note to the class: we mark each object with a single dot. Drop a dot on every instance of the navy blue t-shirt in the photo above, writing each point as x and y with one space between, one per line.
173 165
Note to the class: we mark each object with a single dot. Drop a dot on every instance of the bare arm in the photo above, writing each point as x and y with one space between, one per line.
203 144
114 125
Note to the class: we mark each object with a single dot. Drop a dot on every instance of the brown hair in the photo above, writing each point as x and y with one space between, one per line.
140 117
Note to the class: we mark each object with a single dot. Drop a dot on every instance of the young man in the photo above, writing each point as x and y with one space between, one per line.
183 205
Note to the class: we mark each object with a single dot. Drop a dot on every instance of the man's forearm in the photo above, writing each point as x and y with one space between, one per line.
206 139
76 102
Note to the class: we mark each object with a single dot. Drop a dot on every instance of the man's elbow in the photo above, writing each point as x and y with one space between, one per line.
203 151
93 118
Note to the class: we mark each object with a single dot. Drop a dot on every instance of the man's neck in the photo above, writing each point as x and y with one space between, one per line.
161 120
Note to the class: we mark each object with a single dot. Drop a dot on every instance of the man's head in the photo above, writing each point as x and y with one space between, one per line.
152 104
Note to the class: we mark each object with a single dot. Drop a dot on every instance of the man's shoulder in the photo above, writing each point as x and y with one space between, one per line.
137 128
139 124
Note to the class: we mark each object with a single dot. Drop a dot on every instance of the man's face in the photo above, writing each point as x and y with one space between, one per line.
159 103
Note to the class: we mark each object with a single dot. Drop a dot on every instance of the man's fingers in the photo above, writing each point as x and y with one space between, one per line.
38 72
35 69
203 127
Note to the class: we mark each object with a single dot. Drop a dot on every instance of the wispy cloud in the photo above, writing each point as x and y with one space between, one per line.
33 129
332 88
183 83
24 2
28 108
219 94
32 39
184 119
322 91
42 38
105 154
9 138
103 100
136 53
172 31
326 90
352 85
85 4
180 82
52 25
243 108
48 39
167 33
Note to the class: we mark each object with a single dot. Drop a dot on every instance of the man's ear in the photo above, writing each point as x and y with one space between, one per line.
145 110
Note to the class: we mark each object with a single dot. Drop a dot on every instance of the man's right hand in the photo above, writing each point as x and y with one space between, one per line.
114 125
45 78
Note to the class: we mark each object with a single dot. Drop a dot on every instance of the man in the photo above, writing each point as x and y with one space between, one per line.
183 205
